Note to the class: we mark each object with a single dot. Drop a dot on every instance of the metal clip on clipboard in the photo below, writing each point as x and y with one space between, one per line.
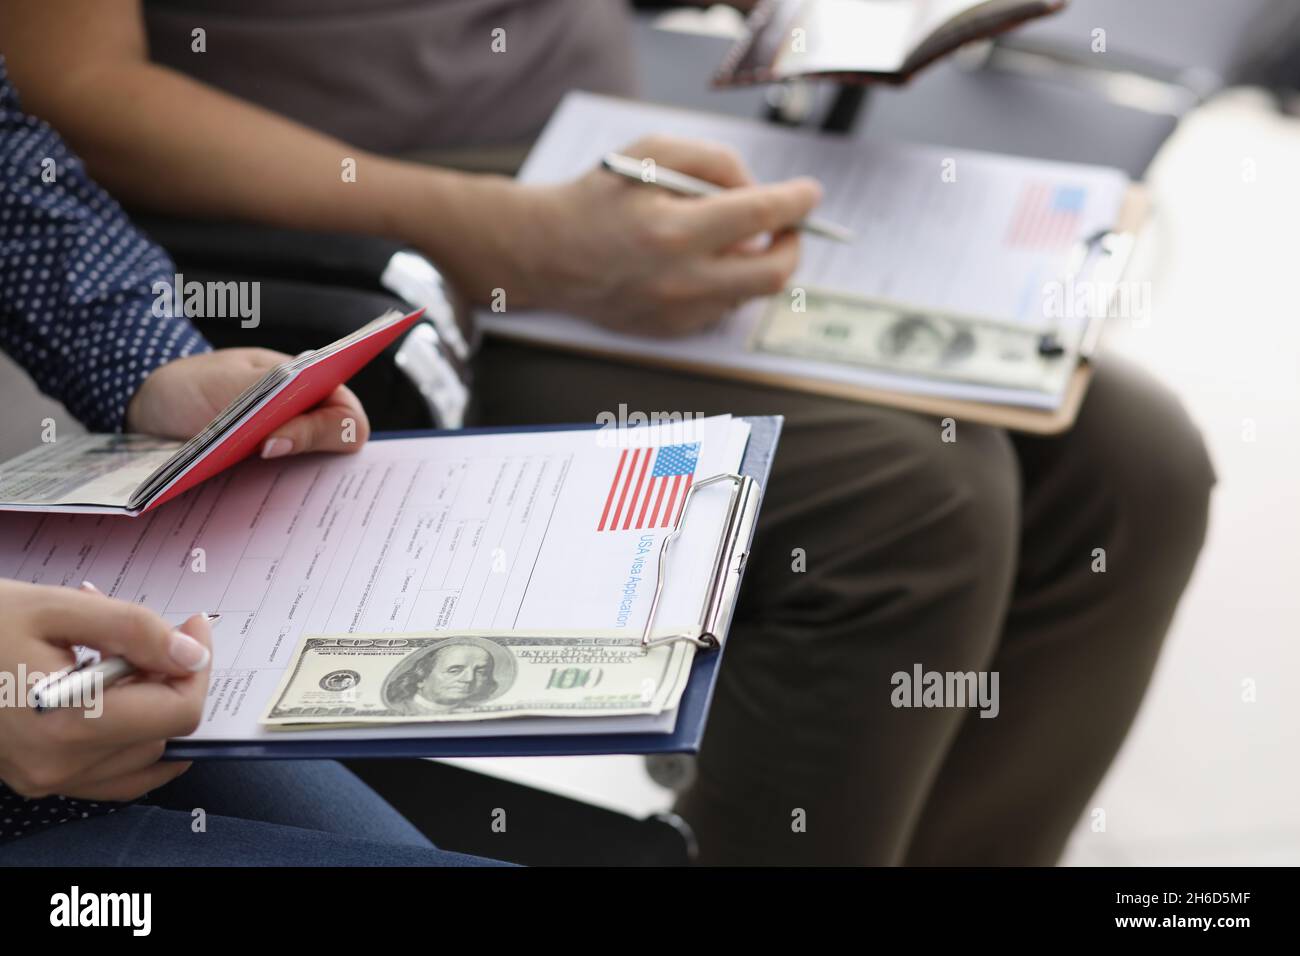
1114 247
728 562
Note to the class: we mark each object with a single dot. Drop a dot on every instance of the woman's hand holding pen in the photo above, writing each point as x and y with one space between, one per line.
109 747
116 754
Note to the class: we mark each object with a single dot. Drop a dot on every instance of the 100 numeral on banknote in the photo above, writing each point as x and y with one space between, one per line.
359 679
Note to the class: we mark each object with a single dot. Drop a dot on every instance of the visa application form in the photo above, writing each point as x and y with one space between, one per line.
953 231
540 529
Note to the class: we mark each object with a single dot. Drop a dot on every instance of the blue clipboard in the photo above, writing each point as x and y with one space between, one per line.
692 711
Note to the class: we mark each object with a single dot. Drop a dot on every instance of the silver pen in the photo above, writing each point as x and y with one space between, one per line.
629 167
67 687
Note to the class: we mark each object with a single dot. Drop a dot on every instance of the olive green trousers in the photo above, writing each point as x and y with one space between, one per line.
1055 562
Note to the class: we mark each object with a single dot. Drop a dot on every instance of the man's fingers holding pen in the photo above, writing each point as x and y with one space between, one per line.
694 299
727 218
743 276
712 162
649 261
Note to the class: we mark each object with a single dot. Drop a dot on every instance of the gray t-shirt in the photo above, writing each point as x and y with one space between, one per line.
401 75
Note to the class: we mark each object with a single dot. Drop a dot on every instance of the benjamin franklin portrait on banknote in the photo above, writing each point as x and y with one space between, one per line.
918 339
458 672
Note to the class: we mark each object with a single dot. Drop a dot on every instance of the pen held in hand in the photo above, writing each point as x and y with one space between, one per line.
629 167
68 688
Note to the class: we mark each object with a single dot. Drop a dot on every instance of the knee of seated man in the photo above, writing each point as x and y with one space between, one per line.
1147 458
958 495
909 500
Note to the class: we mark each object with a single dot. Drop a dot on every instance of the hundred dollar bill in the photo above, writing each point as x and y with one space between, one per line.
834 327
362 679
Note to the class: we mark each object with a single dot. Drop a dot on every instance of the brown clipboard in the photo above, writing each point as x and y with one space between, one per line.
1132 216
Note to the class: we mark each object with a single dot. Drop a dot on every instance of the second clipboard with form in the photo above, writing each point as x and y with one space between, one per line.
983 244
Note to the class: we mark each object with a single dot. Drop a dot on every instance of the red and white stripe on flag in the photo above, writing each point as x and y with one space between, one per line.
648 488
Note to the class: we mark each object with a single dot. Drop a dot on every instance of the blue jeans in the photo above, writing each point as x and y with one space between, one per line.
256 813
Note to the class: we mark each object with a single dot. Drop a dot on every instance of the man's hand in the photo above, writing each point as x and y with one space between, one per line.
628 255
111 751
181 397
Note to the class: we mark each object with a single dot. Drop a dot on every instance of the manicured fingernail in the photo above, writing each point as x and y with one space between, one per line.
188 652
277 447
87 586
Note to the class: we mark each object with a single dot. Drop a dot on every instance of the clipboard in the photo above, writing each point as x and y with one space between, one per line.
1111 250
730 559
592 120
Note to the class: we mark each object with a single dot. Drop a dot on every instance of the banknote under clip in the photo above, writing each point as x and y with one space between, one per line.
728 562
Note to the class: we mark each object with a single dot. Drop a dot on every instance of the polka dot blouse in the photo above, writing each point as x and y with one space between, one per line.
76 278
20 816
76 311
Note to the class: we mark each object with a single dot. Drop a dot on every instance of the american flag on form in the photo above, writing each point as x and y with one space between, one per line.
642 496
1046 216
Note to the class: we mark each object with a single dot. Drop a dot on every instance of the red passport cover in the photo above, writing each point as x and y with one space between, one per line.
308 390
